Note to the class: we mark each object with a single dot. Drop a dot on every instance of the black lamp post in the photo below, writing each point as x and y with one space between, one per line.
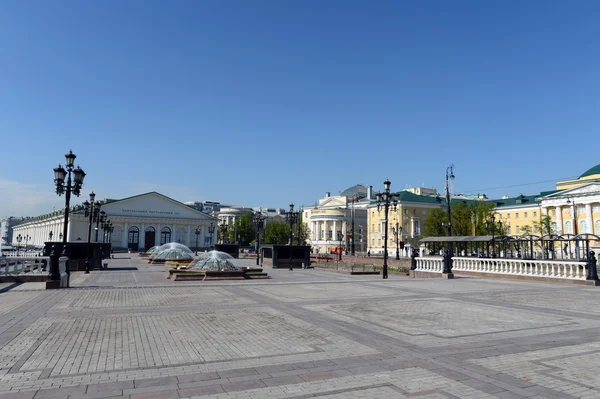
448 252
26 238
571 201
397 232
71 186
492 227
19 238
211 230
91 212
384 199
291 217
259 220
99 220
197 232
340 237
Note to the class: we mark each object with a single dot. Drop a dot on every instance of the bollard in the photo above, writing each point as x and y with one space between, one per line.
413 259
592 271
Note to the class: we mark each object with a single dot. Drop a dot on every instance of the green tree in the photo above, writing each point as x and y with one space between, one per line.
277 233
544 225
433 224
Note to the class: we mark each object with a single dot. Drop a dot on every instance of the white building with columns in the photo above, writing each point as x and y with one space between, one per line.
332 218
139 222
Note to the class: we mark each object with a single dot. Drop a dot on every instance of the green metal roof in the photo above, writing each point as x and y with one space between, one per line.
592 171
521 200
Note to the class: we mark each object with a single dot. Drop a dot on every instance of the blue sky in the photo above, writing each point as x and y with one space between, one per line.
263 103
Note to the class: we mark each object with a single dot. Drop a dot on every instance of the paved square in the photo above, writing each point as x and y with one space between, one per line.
129 332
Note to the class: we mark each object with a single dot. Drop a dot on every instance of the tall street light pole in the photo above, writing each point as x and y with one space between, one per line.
211 230
571 201
352 230
91 212
259 220
448 252
340 237
291 217
71 186
384 199
197 232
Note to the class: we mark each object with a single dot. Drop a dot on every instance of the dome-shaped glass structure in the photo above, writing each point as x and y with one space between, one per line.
214 260
172 254
176 245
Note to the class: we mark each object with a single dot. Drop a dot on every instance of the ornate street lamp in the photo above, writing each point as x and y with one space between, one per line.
397 232
448 251
19 238
259 220
197 231
211 230
291 217
26 238
571 201
340 237
385 199
71 186
92 210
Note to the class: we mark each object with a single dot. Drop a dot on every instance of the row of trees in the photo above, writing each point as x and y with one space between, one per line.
243 231
463 217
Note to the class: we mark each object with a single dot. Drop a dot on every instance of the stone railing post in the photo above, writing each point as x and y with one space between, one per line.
54 272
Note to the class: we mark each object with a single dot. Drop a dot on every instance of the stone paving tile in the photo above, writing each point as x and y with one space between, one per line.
297 335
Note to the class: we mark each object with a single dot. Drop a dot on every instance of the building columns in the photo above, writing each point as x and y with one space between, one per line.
588 219
559 221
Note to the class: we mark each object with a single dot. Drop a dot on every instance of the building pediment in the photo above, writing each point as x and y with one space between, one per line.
585 190
153 205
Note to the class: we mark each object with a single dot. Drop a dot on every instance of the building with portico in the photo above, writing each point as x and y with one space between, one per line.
333 216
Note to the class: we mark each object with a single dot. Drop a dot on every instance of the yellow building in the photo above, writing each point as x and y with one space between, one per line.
574 207
408 218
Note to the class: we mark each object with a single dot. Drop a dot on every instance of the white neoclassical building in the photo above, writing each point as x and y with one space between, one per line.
332 218
139 222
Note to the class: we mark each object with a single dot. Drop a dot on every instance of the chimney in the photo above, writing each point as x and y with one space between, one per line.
327 194
370 192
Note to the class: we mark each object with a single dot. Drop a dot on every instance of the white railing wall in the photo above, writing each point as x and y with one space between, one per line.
564 269
430 264
11 266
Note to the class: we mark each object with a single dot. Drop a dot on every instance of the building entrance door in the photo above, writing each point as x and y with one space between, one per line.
149 239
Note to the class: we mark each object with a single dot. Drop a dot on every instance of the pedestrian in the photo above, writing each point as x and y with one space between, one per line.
369 253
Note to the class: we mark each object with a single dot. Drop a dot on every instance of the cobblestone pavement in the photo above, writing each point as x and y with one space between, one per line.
129 332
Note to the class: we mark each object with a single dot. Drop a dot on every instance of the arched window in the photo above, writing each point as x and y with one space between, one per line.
568 228
597 227
582 227
554 227
165 235
150 229
134 235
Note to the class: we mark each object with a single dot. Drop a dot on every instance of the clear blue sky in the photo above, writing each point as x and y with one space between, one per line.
263 103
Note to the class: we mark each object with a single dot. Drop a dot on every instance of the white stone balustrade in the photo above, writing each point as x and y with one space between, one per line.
430 264
561 269
10 266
